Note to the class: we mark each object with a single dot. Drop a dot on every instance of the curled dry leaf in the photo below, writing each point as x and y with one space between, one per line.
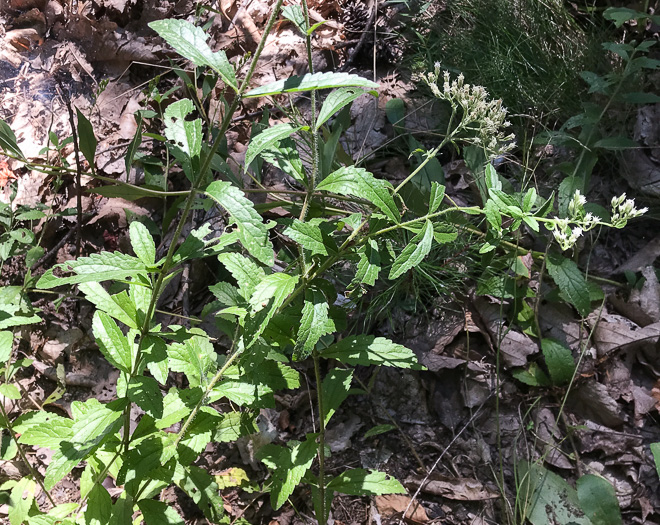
391 505
461 489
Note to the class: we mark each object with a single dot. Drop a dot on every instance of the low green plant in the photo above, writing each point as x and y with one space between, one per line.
272 310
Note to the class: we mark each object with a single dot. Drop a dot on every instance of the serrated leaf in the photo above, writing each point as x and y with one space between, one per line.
98 267
97 421
285 156
358 182
288 466
251 230
268 296
10 391
114 345
437 195
145 457
143 243
190 42
45 430
267 139
8 141
118 306
360 482
295 14
368 266
186 134
559 361
99 506
86 140
246 272
202 488
335 387
571 282
336 101
145 393
195 358
413 254
598 500
312 82
20 500
159 513
313 324
308 235
369 350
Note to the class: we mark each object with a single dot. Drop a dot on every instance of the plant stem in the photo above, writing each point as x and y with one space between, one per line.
321 450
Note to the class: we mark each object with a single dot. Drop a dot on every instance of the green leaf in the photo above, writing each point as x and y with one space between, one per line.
547 497
190 42
621 15
598 500
203 489
616 143
246 272
145 393
195 358
8 141
358 182
655 450
285 157
159 512
97 421
252 232
368 266
8 448
143 243
437 195
118 306
6 345
414 253
335 388
295 14
134 144
308 235
311 82
44 429
559 361
86 139
378 429
359 482
369 350
571 282
98 267
186 134
114 345
288 466
267 139
9 391
336 101
313 324
640 98
20 500
99 506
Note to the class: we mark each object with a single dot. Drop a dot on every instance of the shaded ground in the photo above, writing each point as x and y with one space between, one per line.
452 439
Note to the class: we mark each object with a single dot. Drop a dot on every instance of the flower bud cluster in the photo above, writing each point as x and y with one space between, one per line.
485 119
623 210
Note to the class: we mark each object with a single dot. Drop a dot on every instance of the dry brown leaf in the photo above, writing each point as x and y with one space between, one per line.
461 489
643 306
593 401
395 504
614 332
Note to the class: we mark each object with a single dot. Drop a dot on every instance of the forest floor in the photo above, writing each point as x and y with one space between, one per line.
452 442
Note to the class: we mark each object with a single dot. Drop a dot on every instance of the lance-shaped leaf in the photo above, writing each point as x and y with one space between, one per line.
572 284
190 42
312 82
308 235
414 253
360 482
313 324
267 139
86 140
285 156
369 350
98 267
246 272
267 298
8 141
185 134
251 230
159 513
195 358
368 266
43 429
335 389
437 194
6 344
337 100
358 182
118 306
288 466
113 344
143 243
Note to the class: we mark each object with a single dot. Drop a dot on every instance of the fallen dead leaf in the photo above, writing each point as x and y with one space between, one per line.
461 489
642 306
394 504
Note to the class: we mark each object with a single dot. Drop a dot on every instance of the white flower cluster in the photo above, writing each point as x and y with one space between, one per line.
623 210
484 119
568 230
